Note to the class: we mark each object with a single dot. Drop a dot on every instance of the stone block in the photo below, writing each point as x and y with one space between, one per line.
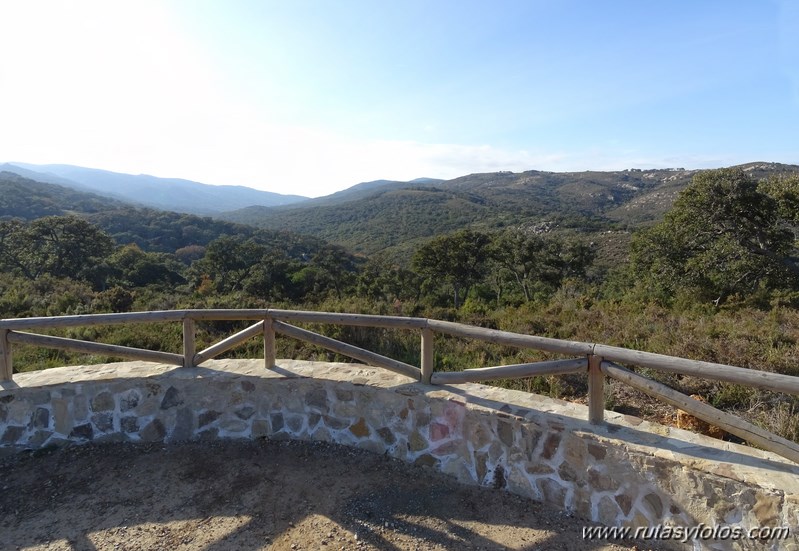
245 412
154 431
184 425
654 503
233 425
12 434
207 417
343 394
360 429
82 432
313 420
505 432
609 513
417 442
597 451
276 420
40 418
62 416
260 428
172 398
129 424
38 439
426 460
625 503
335 423
104 422
316 399
551 445
103 401
129 400
387 435
295 423
80 407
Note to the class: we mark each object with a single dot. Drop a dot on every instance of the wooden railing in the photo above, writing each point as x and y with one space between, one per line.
596 359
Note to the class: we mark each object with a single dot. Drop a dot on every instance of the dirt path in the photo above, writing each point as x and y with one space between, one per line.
260 495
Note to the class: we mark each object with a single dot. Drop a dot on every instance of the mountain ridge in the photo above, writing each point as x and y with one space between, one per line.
387 215
393 216
173 194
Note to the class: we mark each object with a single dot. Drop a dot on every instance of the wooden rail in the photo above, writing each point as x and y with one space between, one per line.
597 360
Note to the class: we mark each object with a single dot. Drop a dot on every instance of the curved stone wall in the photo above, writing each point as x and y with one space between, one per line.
625 473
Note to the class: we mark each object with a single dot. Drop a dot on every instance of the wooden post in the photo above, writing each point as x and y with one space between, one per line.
596 390
269 344
6 363
427 355
189 346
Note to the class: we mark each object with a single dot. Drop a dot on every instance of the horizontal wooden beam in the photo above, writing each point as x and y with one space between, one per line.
705 370
517 371
228 343
227 314
86 347
363 320
220 314
495 336
93 319
705 412
366 356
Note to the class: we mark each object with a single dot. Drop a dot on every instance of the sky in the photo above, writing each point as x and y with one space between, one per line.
313 96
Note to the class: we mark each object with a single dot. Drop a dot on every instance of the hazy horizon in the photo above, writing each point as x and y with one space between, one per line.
309 97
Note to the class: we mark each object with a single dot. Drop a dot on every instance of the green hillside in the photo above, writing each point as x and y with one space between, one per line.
392 217
28 199
150 229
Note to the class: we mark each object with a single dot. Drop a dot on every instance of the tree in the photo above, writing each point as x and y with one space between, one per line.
458 260
132 267
382 280
270 279
335 268
723 236
229 261
61 246
533 261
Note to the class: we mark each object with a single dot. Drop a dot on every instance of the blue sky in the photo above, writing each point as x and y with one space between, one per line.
312 96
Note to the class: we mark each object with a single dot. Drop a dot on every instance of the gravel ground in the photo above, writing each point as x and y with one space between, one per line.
262 494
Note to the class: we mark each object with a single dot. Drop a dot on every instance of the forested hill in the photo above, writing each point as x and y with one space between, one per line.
173 194
397 215
150 229
28 199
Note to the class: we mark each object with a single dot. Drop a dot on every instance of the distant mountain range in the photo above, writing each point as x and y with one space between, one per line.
171 194
380 216
394 217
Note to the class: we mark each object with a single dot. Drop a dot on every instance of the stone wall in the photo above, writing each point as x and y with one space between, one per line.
624 473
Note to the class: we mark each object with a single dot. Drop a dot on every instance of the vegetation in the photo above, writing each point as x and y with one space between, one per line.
397 219
714 279
725 236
